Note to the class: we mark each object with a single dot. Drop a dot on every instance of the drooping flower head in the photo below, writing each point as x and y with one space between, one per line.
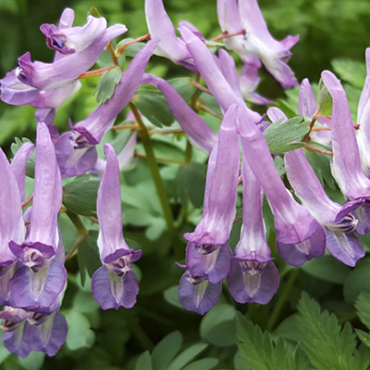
114 284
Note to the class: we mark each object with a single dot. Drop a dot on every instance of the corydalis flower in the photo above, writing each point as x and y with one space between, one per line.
161 27
346 166
83 46
76 150
299 237
24 331
39 277
253 276
114 284
207 253
337 220
257 40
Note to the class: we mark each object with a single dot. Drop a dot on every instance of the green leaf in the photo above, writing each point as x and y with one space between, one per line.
186 356
324 100
88 256
203 364
33 362
218 325
166 350
363 308
321 164
154 107
279 136
171 295
94 12
364 337
257 351
107 84
130 50
144 362
183 86
328 346
357 281
190 180
80 195
79 333
352 71
327 268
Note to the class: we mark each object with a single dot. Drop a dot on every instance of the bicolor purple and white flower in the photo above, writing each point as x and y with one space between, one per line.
114 284
253 276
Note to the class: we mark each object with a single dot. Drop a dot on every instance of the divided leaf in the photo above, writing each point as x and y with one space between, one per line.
327 344
107 84
258 351
279 136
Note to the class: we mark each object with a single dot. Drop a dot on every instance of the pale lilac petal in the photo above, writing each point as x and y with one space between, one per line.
345 247
213 263
258 41
16 341
365 95
47 76
209 70
49 335
228 69
197 294
11 222
109 208
248 82
257 287
193 29
292 221
220 196
98 122
307 101
346 166
15 92
47 195
200 134
160 26
74 159
18 166
113 291
37 291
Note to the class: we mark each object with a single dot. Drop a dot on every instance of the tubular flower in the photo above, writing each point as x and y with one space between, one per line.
207 253
39 277
75 150
161 27
199 133
257 41
114 284
346 166
253 276
338 222
299 237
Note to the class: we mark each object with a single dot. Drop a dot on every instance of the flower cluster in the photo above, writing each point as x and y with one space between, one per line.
32 273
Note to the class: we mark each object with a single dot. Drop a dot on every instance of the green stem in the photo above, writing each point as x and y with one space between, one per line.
83 233
154 169
281 300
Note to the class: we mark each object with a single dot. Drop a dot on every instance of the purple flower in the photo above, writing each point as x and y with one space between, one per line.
337 220
257 40
24 331
161 27
83 46
363 114
75 150
299 237
199 133
197 293
39 277
346 166
253 276
114 284
207 254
